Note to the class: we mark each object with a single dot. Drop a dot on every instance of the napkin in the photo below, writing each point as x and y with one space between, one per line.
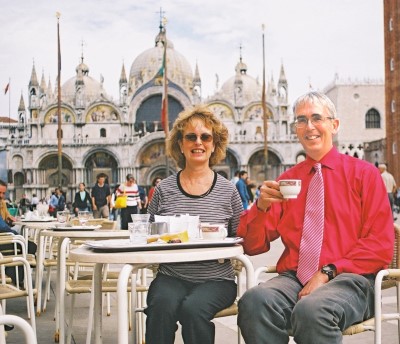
179 223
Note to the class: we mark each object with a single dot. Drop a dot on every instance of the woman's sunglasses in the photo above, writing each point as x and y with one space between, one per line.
192 137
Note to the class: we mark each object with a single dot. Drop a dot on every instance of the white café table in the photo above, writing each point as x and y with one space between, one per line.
37 225
64 238
140 259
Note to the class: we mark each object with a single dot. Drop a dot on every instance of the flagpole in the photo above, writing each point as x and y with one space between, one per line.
59 143
264 108
9 106
165 100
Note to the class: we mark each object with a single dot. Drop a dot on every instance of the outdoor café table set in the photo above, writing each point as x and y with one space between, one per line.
135 256
101 248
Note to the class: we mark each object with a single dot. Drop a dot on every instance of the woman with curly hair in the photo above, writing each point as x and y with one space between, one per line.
193 292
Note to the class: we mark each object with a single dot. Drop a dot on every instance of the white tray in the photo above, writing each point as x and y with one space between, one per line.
46 219
60 228
124 245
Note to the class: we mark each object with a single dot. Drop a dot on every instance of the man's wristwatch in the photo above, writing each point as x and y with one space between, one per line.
329 270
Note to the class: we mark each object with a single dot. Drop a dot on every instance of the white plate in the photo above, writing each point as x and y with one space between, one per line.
45 219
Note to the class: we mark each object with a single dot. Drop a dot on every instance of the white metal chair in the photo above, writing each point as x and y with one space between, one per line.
385 279
8 291
29 334
75 286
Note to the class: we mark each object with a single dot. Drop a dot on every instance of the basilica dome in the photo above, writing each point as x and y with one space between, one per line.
146 66
91 88
241 85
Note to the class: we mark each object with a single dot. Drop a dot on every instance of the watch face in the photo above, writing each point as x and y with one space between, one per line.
329 270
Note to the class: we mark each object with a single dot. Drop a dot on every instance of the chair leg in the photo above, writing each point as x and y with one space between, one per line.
47 289
90 320
108 297
71 319
398 309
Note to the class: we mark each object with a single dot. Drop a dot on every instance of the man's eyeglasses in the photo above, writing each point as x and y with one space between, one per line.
316 120
192 137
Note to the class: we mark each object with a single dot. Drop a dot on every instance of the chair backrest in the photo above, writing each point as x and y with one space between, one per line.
91 222
395 263
108 224
95 222
29 333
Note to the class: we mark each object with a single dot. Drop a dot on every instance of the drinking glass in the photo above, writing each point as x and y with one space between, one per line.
83 217
62 216
139 228
138 232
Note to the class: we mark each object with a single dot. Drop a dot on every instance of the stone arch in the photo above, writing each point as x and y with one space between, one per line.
257 166
228 166
101 161
151 161
148 115
49 167
102 113
17 162
19 180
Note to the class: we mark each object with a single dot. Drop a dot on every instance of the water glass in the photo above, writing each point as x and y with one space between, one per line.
62 216
83 217
144 218
138 232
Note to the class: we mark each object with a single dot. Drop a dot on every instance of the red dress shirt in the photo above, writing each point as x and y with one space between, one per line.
358 232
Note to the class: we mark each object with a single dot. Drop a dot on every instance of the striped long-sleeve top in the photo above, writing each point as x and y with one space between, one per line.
132 192
221 204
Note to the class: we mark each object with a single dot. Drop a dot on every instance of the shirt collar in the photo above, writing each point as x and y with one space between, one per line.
329 160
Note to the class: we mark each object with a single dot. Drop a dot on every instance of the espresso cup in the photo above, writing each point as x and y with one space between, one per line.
290 188
213 231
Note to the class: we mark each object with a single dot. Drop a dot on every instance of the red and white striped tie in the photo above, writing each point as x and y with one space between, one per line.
313 228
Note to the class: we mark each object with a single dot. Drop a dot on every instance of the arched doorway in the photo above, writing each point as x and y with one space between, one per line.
19 180
148 115
101 162
49 166
257 166
228 166
152 163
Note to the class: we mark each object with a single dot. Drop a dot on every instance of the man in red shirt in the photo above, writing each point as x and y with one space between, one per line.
357 240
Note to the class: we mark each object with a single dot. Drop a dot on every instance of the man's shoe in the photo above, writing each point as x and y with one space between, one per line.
8 327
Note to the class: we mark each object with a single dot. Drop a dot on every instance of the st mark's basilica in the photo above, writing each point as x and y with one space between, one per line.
117 137
125 136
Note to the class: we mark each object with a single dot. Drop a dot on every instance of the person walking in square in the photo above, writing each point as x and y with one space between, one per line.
101 195
131 190
390 185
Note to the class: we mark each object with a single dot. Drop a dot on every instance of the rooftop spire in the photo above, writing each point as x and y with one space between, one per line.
21 107
33 81
43 85
241 67
282 76
160 38
197 74
49 89
123 79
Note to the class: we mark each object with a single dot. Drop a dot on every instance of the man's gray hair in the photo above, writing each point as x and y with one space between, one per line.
314 97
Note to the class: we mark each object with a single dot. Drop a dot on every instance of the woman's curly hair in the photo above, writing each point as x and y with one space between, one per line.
219 132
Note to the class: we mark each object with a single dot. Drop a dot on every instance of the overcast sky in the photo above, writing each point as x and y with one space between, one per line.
314 39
